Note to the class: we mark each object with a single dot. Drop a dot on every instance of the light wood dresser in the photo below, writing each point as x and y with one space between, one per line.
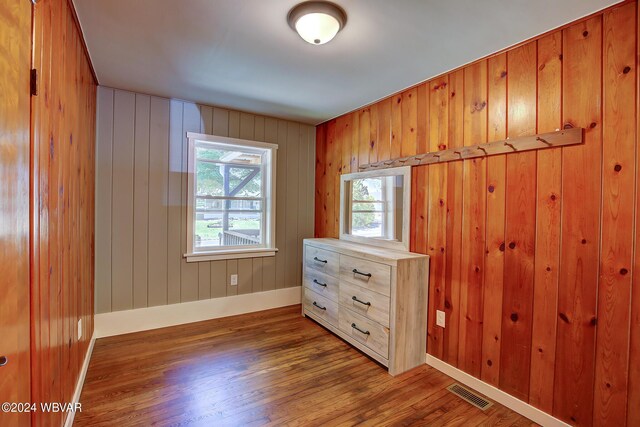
373 298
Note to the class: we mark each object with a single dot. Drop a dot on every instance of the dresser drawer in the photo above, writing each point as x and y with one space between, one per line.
371 305
326 262
368 332
321 283
368 274
321 307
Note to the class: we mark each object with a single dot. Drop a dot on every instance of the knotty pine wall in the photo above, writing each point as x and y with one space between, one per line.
533 255
62 181
142 202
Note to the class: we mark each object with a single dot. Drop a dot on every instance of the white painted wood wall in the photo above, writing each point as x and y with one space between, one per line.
141 202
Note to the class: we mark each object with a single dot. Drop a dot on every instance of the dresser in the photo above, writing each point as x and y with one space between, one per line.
371 297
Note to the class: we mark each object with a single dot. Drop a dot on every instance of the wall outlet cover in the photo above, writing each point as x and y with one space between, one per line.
440 318
234 280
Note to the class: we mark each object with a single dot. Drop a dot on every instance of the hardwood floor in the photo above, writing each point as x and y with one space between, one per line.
268 368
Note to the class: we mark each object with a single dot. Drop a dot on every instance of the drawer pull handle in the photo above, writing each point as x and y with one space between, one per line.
354 326
355 271
315 258
319 306
324 285
355 298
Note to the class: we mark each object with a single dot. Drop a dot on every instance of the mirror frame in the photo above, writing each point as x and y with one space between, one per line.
405 172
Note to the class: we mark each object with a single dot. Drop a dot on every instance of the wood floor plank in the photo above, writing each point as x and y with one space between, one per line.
266 368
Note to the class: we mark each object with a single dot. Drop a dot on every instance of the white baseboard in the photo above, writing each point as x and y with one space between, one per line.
517 405
143 319
83 373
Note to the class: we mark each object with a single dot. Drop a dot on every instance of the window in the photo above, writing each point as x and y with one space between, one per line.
231 198
374 207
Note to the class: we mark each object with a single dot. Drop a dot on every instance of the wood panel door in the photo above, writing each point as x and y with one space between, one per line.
15 63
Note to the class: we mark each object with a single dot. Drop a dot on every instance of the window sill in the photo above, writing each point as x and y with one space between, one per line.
230 254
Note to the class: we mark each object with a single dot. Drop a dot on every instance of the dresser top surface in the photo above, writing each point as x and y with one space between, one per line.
358 248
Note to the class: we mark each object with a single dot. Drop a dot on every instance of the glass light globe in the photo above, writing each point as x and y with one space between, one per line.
317 28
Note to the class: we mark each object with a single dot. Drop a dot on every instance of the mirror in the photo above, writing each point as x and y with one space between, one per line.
375 206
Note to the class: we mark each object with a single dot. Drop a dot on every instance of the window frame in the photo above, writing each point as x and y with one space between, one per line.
267 247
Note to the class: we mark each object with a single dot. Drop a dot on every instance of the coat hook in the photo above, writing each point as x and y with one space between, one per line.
403 161
510 145
543 141
483 150
458 153
437 156
388 163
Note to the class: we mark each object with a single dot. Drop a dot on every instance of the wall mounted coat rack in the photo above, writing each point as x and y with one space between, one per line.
540 141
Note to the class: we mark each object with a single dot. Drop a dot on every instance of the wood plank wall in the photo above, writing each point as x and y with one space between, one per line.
63 165
15 63
141 202
534 257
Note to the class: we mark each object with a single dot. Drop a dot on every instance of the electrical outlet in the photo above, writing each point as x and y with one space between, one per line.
79 329
440 318
234 280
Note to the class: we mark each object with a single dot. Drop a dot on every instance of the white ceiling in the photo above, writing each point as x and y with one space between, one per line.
241 54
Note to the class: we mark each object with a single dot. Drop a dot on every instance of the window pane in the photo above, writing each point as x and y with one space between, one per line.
245 182
209 153
208 230
203 205
209 179
225 180
374 206
367 224
367 189
233 229
236 156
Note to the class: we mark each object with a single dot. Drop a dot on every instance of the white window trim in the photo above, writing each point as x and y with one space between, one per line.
264 250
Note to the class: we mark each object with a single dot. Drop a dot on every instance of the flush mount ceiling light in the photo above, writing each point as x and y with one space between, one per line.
317 22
